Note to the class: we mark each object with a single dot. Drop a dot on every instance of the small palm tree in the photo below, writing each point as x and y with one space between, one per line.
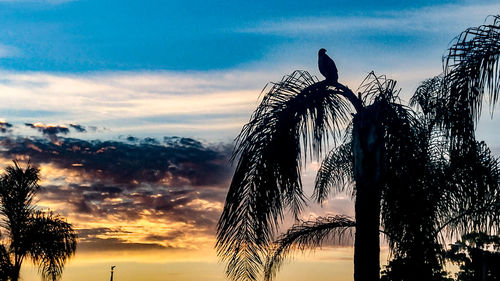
386 147
43 237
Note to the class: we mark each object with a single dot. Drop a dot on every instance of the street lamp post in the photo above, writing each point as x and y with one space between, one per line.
112 271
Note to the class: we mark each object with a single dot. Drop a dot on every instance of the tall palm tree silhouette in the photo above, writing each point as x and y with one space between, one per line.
460 192
296 120
43 237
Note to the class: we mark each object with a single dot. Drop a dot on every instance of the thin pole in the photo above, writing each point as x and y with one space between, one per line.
112 268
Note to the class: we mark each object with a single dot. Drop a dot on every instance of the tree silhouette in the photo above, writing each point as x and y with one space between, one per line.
386 151
293 122
458 190
478 256
43 237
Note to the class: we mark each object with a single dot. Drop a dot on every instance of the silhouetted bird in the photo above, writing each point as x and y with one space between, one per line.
327 67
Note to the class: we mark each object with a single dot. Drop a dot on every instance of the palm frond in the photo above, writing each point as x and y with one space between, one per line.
18 187
307 235
375 87
471 199
5 263
471 68
430 97
408 193
336 171
294 119
52 242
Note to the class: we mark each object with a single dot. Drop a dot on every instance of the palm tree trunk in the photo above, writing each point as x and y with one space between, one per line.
16 269
368 167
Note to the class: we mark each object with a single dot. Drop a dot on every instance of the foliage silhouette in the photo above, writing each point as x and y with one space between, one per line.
43 237
293 123
394 158
305 235
458 190
478 256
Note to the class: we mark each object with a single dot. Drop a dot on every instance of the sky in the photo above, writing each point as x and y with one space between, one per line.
129 109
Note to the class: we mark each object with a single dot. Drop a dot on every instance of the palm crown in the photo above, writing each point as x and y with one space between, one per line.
46 238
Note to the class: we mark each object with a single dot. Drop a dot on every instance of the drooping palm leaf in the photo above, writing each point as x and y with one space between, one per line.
17 189
52 241
335 172
307 235
410 195
430 97
294 120
471 69
471 193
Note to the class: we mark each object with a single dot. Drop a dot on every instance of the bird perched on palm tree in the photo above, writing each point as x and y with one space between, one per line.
327 67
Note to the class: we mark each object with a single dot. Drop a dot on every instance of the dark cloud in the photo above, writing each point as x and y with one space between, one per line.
171 236
151 141
51 131
91 240
179 179
90 233
182 142
116 244
78 128
5 127
132 139
181 204
177 162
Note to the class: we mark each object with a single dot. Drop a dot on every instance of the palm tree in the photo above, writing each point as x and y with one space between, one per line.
297 119
460 191
43 237
293 122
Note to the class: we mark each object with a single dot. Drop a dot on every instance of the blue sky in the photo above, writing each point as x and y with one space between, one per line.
196 68
79 36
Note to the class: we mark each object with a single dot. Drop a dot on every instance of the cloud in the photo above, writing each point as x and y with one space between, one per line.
176 160
94 239
139 103
5 127
116 244
150 194
78 128
426 19
48 129
51 131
